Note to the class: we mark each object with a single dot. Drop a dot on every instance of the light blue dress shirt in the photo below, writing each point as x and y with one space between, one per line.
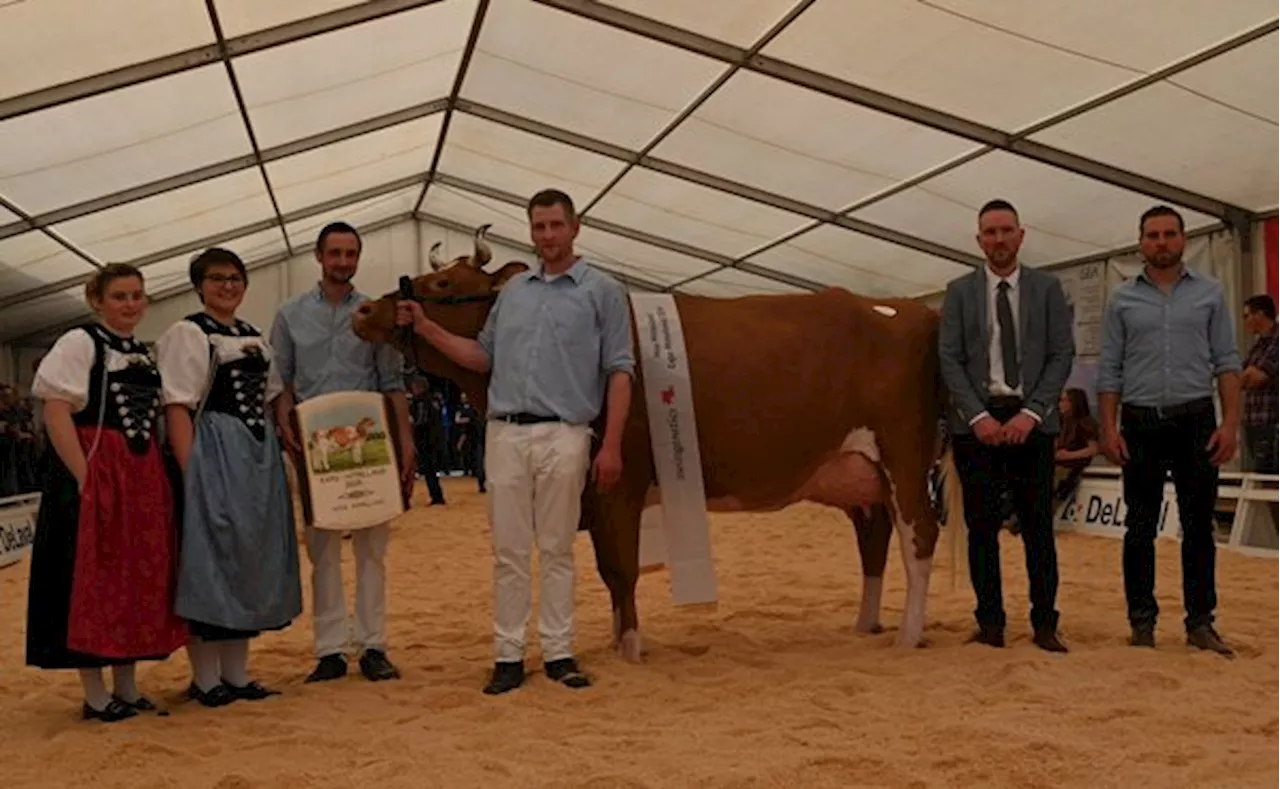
317 352
1162 351
553 342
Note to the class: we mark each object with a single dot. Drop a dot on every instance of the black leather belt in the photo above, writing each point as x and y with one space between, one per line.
1004 402
1159 413
526 419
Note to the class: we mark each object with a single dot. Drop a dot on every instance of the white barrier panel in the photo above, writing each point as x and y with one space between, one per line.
1097 507
668 396
17 527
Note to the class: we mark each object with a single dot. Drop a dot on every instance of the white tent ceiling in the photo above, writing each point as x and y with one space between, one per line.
730 146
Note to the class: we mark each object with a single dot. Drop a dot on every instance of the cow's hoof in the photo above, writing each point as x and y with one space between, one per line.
875 628
910 643
630 647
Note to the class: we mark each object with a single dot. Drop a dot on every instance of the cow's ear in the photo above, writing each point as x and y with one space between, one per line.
504 274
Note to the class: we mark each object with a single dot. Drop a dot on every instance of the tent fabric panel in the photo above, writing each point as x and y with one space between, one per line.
352 74
32 260
1065 215
51 310
239 17
358 163
303 232
1176 133
110 142
103 37
802 144
838 257
693 214
738 22
628 256
731 283
522 163
607 84
167 220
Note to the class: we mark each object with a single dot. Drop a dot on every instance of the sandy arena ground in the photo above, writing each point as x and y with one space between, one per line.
771 690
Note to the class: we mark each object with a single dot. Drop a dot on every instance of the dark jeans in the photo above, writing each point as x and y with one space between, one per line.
427 466
1260 441
1159 445
1026 472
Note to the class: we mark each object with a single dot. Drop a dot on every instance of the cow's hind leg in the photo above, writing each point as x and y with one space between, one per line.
615 534
917 528
873 527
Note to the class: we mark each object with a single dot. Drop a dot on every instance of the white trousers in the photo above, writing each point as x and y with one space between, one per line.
535 475
328 602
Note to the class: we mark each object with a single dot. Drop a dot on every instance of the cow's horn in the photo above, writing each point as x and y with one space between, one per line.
483 253
433 256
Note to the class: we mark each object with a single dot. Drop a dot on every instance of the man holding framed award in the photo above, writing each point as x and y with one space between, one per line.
353 455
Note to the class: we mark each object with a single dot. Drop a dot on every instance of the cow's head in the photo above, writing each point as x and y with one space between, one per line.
457 294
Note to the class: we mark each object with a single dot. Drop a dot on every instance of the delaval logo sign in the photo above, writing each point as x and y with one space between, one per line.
16 533
1092 508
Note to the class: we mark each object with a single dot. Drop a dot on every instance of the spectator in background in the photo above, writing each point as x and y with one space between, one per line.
1259 382
426 437
8 442
1077 444
470 440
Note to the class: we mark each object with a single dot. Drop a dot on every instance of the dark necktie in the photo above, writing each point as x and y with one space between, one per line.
1008 335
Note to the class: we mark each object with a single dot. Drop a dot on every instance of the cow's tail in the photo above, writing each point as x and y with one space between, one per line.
954 526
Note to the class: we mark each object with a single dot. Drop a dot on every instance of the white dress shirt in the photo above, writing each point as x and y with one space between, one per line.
996 386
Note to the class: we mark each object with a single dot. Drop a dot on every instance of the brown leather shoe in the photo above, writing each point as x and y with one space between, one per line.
991 636
1048 641
1205 637
1143 636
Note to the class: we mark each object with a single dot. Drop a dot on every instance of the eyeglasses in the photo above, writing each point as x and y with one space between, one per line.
220 279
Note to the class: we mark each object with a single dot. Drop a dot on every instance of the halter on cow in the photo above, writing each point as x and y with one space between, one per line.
827 397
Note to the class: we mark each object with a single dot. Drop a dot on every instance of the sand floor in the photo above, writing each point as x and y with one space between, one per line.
772 689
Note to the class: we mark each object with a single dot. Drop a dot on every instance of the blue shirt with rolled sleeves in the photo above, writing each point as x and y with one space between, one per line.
317 352
553 342
1164 350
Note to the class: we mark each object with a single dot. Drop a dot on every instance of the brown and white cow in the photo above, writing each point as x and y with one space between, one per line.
336 439
827 397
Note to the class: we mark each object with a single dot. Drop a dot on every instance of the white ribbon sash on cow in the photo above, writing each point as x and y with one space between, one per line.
679 535
350 477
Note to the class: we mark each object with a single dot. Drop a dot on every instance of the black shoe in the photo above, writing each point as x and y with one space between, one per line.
1143 636
989 635
565 671
116 710
142 704
329 667
375 666
507 676
1205 637
1047 640
254 691
218 696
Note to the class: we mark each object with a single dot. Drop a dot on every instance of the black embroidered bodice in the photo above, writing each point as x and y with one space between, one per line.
239 387
132 403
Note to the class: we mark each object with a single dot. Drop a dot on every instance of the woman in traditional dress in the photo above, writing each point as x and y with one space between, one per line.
238 570
104 558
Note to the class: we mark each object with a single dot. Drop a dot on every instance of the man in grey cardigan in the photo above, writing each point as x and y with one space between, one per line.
1006 348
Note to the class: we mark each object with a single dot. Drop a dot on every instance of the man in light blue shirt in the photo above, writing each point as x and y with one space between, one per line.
558 346
316 352
1166 336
